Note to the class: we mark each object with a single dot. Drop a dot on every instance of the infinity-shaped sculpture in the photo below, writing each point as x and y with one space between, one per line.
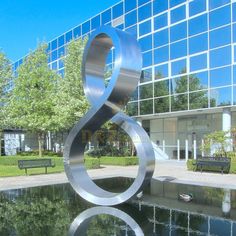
106 104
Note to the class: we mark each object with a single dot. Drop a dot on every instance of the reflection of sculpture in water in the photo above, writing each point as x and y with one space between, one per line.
106 221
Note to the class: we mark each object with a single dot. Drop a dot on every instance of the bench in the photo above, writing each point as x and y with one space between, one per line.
222 162
35 163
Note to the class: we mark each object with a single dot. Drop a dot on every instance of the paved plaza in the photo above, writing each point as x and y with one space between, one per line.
165 170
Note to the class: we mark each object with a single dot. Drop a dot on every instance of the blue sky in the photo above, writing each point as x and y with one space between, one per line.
23 23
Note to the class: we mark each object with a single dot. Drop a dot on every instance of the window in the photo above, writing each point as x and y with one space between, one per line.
179 102
147 59
234 12
198 43
160 21
77 32
117 10
198 100
54 65
146 107
198 81
54 44
54 55
217 3
234 32
61 52
145 28
95 22
198 62
161 88
134 96
220 37
220 77
129 5
161 71
159 6
141 2
106 16
198 25
176 2
162 105
220 97
235 54
145 12
68 36
178 14
161 38
178 49
132 109
178 32
220 57
61 41
179 84
146 75
196 7
131 18
61 64
146 43
234 72
146 91
85 27
161 54
132 30
220 17
178 67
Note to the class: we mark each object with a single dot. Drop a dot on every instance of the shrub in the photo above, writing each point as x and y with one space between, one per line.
109 150
120 161
92 163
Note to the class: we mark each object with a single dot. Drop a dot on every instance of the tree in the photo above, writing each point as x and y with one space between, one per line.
6 76
32 102
71 104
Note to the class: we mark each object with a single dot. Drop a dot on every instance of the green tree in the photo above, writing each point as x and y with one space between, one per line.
71 103
32 102
6 76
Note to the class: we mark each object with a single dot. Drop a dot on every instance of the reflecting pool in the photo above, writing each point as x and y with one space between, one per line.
161 210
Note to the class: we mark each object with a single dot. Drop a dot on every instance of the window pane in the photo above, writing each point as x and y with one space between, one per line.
145 28
61 64
198 43
160 21
77 32
220 97
220 57
95 22
146 43
179 102
162 105
161 38
235 53
145 12
132 109
146 75
132 30
141 2
61 52
234 71
68 36
146 91
86 27
146 107
178 14
198 81
220 77
161 88
131 18
198 100
161 71
159 6
54 65
234 32
178 32
198 62
54 44
134 96
117 10
179 84
196 7
217 3
147 59
161 55
198 25
176 2
106 16
220 37
234 12
61 40
178 49
178 67
54 55
220 17
129 5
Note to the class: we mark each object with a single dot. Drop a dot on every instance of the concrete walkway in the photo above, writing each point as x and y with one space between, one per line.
165 170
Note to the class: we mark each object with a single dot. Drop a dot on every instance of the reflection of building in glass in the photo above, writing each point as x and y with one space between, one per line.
189 64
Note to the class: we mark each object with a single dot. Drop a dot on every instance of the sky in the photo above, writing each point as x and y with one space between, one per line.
24 23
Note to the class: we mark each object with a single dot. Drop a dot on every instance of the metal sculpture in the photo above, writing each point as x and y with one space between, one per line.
106 104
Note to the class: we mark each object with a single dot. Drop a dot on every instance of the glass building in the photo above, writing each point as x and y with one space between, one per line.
188 83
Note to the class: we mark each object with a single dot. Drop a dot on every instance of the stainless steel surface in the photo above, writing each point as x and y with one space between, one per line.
81 223
106 103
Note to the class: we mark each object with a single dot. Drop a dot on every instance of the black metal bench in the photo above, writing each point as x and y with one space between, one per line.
35 163
222 162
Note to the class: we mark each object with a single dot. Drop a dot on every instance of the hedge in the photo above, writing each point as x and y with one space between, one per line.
119 161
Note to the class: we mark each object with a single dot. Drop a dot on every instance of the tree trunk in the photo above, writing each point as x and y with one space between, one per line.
40 141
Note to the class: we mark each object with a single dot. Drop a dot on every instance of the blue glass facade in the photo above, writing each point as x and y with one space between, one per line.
188 47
